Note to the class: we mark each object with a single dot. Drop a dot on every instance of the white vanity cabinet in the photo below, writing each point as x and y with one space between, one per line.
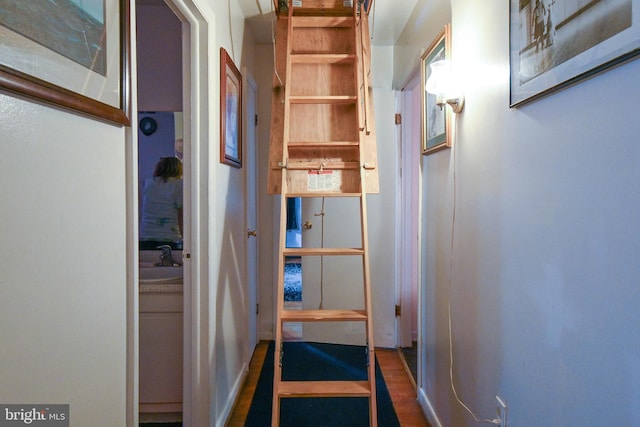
161 320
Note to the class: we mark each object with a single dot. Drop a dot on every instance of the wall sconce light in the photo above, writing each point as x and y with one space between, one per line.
441 84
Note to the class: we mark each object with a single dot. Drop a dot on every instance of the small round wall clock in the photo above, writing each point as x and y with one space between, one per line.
148 126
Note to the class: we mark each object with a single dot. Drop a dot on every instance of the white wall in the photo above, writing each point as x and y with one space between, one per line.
227 290
544 277
63 262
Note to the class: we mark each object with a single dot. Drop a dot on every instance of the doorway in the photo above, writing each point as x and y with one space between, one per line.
292 331
409 210
250 107
162 132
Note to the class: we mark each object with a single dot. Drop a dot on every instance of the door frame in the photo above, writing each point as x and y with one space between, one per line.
198 34
408 208
251 202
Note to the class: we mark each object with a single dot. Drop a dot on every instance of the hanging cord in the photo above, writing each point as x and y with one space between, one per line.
273 43
321 215
495 421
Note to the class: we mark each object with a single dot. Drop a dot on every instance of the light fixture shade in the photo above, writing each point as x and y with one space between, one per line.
440 80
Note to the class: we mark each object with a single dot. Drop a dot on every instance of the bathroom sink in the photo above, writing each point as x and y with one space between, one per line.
154 274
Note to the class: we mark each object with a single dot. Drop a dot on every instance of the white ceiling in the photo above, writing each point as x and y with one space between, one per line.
387 19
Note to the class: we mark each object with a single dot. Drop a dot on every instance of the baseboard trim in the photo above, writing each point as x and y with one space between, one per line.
428 409
234 395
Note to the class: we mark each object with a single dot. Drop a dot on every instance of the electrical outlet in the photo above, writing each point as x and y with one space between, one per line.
501 411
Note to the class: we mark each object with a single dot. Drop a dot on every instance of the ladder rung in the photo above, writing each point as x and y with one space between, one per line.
324 315
317 165
327 58
322 251
322 21
321 144
340 99
324 389
323 194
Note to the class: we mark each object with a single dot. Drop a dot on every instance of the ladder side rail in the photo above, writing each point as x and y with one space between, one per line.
360 62
366 274
277 367
364 54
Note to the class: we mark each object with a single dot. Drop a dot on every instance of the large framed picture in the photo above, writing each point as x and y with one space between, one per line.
556 43
435 120
230 111
72 54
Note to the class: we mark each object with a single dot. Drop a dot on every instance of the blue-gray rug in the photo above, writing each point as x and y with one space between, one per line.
320 362
293 281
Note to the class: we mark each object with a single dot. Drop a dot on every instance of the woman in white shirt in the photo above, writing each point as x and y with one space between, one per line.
162 203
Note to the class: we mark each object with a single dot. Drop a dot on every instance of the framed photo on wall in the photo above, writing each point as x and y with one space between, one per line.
70 54
435 120
230 111
557 43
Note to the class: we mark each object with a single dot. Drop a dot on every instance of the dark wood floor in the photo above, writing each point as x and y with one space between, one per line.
398 380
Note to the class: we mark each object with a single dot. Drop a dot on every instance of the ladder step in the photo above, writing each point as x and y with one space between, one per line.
322 251
322 58
323 194
324 389
317 165
322 21
341 99
321 144
324 315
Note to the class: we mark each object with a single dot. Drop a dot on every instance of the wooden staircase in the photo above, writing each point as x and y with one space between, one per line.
323 145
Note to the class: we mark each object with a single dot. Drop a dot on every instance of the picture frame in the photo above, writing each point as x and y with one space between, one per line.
557 43
435 120
43 59
230 111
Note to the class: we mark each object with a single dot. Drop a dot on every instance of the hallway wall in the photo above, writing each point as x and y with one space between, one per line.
543 279
63 261
227 263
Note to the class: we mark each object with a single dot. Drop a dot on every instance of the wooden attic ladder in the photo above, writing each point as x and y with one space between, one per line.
323 145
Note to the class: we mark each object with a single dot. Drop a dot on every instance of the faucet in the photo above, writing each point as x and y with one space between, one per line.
166 258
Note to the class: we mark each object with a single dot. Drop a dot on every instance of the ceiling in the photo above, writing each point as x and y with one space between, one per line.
388 18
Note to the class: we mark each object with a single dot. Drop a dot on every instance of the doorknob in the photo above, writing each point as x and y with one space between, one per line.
307 225
253 233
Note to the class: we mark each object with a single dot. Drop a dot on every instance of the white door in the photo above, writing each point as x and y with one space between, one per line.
335 282
250 122
409 210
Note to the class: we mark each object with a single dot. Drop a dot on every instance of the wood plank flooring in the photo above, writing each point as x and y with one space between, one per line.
401 389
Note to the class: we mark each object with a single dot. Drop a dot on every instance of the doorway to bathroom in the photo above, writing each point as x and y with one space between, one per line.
161 135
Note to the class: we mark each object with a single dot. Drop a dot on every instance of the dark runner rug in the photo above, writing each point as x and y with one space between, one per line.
320 362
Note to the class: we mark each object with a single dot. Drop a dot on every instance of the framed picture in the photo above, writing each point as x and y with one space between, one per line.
230 111
68 53
556 43
435 120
